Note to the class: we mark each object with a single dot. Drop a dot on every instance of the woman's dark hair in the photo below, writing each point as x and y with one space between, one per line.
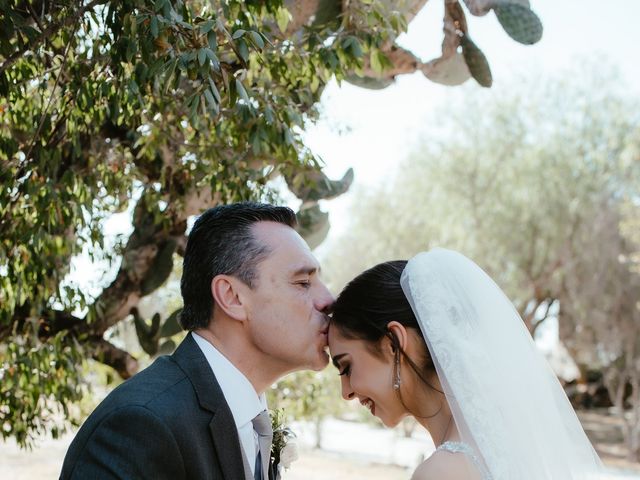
369 302
221 242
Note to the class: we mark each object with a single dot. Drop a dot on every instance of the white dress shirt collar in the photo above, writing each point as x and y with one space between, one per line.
243 400
241 397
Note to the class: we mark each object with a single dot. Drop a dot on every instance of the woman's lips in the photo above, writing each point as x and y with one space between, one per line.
370 404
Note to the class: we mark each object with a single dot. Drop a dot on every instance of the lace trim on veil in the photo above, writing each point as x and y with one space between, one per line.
432 303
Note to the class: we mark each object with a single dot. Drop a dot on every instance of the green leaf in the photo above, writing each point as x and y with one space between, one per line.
283 17
209 96
206 26
238 33
193 108
159 5
212 40
154 26
202 56
169 72
268 115
243 50
257 39
215 63
242 92
377 61
214 90
352 44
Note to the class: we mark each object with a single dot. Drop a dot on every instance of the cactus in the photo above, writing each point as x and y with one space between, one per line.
313 224
312 185
150 336
519 22
147 334
161 268
372 83
328 13
476 61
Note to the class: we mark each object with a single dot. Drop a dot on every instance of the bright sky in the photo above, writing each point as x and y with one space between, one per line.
384 124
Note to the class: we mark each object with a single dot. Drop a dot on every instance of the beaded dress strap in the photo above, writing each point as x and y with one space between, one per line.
460 447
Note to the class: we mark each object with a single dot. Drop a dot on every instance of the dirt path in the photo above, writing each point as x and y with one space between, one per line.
350 451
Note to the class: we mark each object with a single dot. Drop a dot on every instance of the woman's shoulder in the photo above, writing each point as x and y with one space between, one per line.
442 464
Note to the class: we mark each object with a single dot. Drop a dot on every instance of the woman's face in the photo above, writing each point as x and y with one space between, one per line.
367 377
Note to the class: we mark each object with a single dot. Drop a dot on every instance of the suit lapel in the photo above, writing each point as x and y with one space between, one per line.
222 427
225 440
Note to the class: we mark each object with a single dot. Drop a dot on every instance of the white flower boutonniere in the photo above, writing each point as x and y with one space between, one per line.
284 448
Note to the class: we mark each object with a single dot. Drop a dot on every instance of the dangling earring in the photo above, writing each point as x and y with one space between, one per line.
397 380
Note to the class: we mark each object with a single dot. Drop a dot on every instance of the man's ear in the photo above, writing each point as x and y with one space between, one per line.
399 332
225 290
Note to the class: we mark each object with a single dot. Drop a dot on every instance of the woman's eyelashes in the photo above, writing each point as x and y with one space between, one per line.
346 370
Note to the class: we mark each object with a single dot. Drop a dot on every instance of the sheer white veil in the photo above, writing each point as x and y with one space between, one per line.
506 401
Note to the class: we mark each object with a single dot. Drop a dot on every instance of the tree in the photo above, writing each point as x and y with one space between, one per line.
310 396
172 107
600 302
539 185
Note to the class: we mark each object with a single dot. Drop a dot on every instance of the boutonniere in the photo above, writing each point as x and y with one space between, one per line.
284 448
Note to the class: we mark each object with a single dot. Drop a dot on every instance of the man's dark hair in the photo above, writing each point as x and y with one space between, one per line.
221 242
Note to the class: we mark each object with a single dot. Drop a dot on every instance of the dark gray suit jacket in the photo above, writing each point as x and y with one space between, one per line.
170 421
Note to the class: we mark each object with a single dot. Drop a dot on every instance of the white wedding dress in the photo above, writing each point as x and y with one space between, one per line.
512 414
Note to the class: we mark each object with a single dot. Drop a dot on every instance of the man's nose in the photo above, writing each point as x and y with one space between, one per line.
324 299
347 391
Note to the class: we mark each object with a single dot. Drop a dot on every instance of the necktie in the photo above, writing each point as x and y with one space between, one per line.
262 426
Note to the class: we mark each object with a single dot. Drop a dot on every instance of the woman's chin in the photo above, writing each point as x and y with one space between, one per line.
390 422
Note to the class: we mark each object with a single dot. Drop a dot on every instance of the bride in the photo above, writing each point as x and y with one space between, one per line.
436 338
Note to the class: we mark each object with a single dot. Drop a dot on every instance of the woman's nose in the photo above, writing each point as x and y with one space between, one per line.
347 391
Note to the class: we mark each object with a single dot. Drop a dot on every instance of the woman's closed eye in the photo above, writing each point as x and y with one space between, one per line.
346 370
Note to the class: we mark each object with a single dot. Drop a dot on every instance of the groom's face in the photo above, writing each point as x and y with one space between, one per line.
288 305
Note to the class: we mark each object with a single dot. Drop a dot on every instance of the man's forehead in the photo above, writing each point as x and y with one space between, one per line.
285 244
275 232
308 267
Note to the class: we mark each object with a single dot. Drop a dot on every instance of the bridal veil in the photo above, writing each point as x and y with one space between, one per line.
506 401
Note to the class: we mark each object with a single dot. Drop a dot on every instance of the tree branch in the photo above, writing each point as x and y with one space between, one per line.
48 32
119 360
35 16
550 303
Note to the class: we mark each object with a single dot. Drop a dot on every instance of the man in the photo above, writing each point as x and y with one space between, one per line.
256 310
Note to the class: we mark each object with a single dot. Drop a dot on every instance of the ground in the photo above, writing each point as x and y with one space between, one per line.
349 451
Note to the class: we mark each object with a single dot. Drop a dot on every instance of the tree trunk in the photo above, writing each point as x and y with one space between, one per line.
633 439
318 425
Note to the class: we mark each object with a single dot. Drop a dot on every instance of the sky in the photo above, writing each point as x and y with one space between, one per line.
382 125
